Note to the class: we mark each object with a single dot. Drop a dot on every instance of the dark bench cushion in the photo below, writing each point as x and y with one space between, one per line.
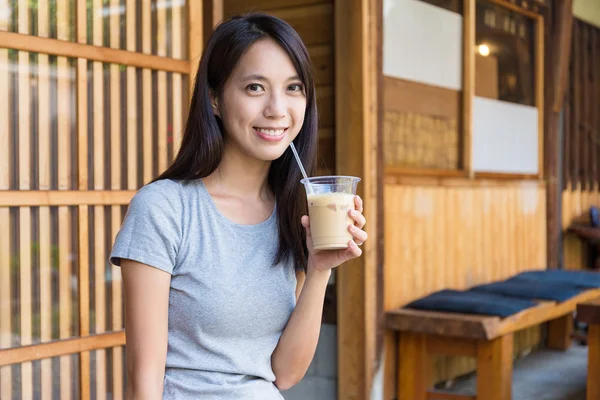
581 279
595 217
531 289
471 302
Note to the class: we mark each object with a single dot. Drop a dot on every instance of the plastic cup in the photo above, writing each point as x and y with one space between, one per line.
328 205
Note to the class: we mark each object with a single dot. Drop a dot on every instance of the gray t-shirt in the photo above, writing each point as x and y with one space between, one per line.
228 303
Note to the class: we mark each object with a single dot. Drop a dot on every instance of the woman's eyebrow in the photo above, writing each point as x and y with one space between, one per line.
255 77
258 77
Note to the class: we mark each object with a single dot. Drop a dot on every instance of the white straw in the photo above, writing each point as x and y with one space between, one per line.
310 189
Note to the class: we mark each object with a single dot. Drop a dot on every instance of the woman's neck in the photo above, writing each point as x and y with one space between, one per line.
240 175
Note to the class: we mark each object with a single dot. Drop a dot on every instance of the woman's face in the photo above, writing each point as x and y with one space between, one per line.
263 102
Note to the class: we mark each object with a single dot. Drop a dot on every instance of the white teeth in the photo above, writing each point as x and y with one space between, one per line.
271 132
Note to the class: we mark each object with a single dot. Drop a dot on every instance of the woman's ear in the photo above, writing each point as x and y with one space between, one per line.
214 102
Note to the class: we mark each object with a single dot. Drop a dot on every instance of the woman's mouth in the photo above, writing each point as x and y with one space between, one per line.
270 134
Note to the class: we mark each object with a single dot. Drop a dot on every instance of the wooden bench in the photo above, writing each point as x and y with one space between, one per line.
591 236
589 312
489 339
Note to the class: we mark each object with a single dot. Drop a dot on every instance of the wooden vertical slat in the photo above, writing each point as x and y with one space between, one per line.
64 115
576 106
468 83
572 127
84 299
567 136
162 87
5 284
99 151
585 142
24 132
83 184
596 102
132 117
116 163
195 40
147 92
591 135
177 21
44 214
539 91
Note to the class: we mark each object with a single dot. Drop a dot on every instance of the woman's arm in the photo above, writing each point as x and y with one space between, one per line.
298 342
146 298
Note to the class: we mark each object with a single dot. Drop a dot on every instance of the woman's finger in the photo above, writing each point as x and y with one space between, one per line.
358 203
354 249
360 236
358 218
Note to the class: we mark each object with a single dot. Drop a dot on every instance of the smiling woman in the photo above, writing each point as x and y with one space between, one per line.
210 251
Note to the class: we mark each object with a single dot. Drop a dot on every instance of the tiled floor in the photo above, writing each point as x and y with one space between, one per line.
544 375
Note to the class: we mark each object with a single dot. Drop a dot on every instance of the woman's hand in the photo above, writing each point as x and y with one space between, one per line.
324 260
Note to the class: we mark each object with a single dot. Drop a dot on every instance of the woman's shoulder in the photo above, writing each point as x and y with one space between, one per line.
160 193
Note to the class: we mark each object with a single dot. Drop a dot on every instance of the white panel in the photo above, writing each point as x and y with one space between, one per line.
505 137
422 43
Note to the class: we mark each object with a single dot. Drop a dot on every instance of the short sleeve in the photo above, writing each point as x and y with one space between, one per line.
151 232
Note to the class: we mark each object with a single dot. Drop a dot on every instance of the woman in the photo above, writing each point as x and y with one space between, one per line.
211 250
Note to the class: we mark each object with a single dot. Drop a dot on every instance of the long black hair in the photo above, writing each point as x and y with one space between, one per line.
202 143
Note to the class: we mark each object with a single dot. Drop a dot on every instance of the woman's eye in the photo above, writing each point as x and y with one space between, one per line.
254 87
296 87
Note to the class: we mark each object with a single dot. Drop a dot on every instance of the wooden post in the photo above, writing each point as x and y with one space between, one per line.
559 332
494 368
558 48
593 385
358 76
468 84
414 372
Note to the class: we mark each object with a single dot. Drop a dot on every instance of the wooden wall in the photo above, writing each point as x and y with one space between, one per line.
581 150
456 234
89 114
314 21
421 125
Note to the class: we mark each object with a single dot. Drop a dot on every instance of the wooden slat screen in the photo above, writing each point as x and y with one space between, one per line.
581 127
79 134
581 122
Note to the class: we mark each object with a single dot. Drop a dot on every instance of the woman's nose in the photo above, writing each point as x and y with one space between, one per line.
275 107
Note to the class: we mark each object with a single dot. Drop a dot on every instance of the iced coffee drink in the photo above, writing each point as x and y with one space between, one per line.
330 198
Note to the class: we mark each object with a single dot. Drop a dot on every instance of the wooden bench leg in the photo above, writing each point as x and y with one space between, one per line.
414 366
559 332
593 373
494 368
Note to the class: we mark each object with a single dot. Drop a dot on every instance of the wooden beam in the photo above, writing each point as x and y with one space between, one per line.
559 333
29 198
468 84
36 44
539 89
414 371
589 312
515 8
451 346
358 25
56 348
494 368
593 385
562 51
